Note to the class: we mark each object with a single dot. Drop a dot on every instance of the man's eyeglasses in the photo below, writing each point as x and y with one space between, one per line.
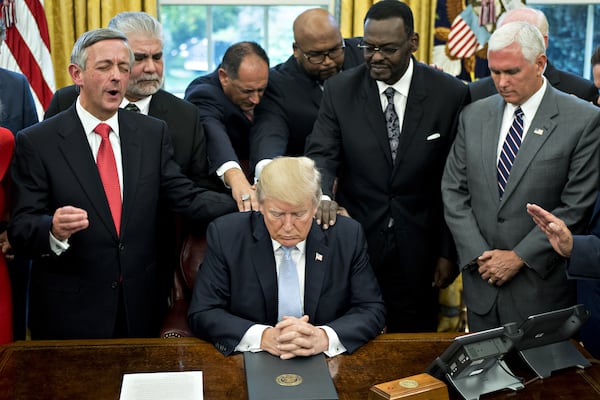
386 51
318 57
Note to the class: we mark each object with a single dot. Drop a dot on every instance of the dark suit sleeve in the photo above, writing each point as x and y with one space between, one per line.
212 114
199 204
324 144
31 221
585 257
209 315
270 134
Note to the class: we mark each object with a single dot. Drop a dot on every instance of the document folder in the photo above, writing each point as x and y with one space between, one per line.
301 378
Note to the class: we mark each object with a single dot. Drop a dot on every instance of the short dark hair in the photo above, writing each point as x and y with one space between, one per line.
386 9
235 54
595 56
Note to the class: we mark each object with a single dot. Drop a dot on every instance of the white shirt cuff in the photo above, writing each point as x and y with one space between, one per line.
335 346
58 246
259 167
251 339
226 167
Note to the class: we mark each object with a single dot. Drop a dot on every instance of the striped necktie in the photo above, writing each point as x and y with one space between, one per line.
511 146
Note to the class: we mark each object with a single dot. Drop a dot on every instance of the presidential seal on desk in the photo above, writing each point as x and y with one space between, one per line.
288 380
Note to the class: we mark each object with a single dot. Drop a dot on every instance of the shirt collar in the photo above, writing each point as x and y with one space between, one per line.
300 246
90 122
142 104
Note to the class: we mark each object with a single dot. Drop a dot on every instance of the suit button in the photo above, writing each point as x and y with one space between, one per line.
114 285
121 247
501 220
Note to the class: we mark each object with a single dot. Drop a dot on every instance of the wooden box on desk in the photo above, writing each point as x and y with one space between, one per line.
416 387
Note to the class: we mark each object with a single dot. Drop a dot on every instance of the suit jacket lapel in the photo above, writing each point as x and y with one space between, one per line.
374 114
77 153
413 112
490 131
542 126
263 260
317 263
131 154
157 108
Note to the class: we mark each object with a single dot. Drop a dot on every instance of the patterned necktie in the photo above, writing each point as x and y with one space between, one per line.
393 125
509 150
288 287
132 107
107 167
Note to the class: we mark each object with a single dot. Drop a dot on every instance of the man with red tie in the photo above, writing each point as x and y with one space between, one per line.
87 188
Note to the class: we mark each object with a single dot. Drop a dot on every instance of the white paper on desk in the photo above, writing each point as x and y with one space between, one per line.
186 385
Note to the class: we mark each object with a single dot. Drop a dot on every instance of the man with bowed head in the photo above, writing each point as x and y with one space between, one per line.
530 143
87 184
275 281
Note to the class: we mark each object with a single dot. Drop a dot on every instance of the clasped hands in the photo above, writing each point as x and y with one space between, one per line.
293 337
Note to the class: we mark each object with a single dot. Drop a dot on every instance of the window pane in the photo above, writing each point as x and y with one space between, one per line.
196 36
566 43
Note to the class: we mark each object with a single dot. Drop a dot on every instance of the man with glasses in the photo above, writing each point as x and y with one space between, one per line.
388 158
286 115
226 99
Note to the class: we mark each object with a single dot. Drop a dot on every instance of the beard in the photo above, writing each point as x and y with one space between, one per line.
145 85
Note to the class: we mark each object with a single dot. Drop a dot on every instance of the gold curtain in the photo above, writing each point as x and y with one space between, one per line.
353 12
68 19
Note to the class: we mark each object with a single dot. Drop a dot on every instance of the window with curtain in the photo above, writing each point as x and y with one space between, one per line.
197 33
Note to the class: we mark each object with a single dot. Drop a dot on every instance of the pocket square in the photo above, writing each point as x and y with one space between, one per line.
434 136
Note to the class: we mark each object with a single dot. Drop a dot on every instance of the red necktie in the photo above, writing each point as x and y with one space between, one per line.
107 167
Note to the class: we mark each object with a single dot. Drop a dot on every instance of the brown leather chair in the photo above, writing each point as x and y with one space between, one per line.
191 256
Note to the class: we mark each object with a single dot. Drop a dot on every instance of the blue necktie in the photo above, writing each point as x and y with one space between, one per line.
509 150
289 288
393 125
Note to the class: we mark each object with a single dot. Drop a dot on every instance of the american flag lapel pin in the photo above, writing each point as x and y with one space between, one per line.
538 131
318 257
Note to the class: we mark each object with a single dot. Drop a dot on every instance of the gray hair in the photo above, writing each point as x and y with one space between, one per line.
137 22
79 54
291 180
525 14
527 36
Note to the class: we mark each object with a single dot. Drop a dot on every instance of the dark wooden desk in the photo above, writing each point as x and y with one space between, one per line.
79 370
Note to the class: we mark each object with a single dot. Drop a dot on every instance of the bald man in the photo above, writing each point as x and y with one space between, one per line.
286 115
561 80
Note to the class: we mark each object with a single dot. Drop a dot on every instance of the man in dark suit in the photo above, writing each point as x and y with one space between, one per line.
144 34
287 112
241 301
93 240
562 80
397 201
226 99
529 143
582 253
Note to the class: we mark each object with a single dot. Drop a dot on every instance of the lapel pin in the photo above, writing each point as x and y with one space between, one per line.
318 257
538 131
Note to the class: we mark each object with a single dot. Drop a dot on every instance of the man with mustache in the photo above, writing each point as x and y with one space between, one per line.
86 200
144 34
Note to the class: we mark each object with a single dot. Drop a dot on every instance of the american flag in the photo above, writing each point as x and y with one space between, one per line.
466 34
27 47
